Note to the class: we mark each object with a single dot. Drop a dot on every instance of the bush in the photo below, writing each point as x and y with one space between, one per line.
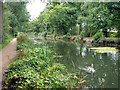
24 42
116 34
57 38
68 34
6 36
36 33
34 69
49 33
74 30
5 43
43 34
83 34
76 40
99 36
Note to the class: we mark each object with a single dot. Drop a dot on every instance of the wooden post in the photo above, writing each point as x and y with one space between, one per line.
1 22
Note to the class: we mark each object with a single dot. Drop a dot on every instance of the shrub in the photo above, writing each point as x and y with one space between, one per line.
35 69
36 33
57 38
43 34
6 36
99 36
5 43
24 42
76 40
49 33
116 34
68 34
83 34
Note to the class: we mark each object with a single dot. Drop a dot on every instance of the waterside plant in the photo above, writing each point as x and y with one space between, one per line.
34 68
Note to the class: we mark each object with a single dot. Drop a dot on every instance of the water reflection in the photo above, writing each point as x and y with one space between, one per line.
105 65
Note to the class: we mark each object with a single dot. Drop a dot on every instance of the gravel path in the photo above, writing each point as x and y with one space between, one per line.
7 55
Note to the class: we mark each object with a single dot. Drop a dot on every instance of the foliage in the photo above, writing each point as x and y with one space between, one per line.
84 19
34 69
98 16
24 42
56 20
74 30
83 34
113 34
68 34
49 33
15 16
5 42
98 36
36 33
19 15
76 40
6 24
118 34
57 38
43 34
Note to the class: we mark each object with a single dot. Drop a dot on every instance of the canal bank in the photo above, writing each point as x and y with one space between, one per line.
76 56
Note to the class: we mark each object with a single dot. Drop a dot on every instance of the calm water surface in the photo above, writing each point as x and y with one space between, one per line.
77 56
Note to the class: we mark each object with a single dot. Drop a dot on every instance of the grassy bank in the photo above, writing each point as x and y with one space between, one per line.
114 41
34 68
5 43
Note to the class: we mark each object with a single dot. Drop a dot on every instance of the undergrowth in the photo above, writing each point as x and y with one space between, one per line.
34 69
6 42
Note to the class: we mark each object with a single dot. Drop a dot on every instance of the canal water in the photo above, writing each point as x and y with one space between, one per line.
78 56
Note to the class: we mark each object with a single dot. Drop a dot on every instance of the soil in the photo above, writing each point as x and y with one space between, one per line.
7 55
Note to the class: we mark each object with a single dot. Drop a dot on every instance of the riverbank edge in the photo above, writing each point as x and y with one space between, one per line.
87 40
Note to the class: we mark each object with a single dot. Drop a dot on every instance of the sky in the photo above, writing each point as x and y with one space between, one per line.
34 8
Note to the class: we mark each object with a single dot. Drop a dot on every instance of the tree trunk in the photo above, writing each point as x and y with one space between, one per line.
80 28
1 22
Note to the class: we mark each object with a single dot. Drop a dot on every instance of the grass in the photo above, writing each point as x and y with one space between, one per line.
5 43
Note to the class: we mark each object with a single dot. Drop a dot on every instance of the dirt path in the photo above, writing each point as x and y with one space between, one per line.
7 55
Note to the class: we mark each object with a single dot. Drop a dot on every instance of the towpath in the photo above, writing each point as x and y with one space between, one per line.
7 55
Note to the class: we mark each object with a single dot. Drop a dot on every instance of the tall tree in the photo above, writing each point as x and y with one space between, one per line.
1 22
59 19
19 16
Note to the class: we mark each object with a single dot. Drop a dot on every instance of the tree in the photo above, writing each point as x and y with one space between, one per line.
1 22
91 18
59 19
19 15
98 18
114 8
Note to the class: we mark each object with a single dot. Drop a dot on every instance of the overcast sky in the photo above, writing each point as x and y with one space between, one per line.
35 7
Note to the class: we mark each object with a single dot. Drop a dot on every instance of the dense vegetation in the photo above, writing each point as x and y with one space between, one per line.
15 17
34 68
84 19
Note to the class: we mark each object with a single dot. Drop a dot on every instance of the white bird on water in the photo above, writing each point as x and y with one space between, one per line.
89 69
